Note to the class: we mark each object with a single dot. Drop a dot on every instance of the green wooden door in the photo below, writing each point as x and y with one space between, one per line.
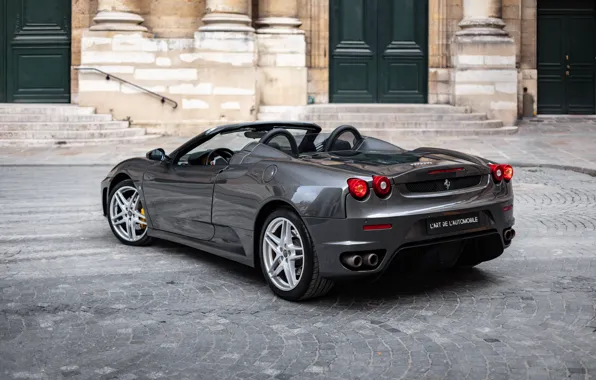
37 47
378 51
566 83
3 29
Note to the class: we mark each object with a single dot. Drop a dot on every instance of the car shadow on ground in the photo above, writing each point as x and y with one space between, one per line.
419 284
392 285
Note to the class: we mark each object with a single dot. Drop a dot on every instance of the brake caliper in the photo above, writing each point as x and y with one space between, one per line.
143 226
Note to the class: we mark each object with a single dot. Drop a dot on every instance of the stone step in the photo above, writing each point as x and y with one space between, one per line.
33 118
41 109
62 134
405 125
381 117
41 126
391 134
28 143
365 108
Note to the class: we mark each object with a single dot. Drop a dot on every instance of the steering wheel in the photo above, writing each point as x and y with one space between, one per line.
278 131
222 153
338 132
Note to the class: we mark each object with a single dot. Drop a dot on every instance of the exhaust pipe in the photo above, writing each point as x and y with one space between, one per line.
509 234
353 261
371 259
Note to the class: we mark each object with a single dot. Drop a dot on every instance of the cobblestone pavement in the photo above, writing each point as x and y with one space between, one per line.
565 141
74 303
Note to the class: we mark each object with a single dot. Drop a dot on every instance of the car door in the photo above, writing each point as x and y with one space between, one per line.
179 198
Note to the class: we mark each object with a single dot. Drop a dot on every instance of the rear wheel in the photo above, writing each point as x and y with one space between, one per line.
126 214
288 259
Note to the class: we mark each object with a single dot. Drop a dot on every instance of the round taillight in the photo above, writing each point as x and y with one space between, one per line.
358 188
381 186
507 172
497 172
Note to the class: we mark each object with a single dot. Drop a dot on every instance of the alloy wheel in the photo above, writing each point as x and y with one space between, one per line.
283 254
127 214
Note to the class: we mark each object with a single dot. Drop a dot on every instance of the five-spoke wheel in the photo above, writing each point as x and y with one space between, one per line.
288 259
282 253
126 214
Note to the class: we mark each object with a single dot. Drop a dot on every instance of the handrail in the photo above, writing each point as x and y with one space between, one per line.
110 76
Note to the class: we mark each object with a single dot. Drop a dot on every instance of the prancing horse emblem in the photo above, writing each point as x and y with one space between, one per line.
447 184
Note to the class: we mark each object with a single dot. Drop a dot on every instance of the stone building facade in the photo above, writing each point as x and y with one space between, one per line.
223 60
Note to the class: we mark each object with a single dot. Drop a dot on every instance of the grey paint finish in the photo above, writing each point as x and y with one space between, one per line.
215 208
179 199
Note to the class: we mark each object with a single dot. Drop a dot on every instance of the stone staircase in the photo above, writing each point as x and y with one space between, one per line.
29 125
386 120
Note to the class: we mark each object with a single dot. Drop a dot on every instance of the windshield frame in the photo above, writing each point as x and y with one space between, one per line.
258 126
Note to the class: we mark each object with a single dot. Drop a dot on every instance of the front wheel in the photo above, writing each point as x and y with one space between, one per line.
288 259
126 214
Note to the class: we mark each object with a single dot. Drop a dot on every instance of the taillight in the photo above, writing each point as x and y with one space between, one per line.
358 188
501 172
507 172
381 186
497 172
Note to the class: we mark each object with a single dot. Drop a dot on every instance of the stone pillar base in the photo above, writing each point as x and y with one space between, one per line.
279 25
282 68
490 26
226 22
118 21
485 76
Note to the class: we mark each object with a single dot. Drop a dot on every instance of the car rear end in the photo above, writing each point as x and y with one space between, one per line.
429 213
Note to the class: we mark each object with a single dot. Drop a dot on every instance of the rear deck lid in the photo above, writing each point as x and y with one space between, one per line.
425 170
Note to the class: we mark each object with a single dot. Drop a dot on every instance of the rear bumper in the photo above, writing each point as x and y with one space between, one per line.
334 238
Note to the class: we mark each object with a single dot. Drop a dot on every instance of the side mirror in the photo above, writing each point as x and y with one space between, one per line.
156 155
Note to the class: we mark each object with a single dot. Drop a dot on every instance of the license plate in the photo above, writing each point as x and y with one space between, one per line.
452 223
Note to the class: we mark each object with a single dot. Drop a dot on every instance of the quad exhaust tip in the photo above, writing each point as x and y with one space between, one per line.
357 261
371 259
509 234
354 261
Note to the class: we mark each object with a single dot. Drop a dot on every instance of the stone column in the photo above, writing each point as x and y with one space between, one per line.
482 17
226 56
279 17
227 16
439 59
484 57
282 54
118 15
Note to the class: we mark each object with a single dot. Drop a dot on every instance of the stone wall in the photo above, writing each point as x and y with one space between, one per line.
528 67
212 79
444 16
173 24
314 15
83 12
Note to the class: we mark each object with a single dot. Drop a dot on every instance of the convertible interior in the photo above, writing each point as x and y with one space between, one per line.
345 139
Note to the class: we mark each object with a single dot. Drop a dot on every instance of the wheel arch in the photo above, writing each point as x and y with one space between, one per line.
106 192
264 212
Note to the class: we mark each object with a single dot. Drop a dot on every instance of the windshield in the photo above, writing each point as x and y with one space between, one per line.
234 141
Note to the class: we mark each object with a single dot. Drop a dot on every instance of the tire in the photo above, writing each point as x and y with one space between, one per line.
310 284
127 188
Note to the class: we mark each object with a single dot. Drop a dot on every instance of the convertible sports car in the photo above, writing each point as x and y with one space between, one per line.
310 208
